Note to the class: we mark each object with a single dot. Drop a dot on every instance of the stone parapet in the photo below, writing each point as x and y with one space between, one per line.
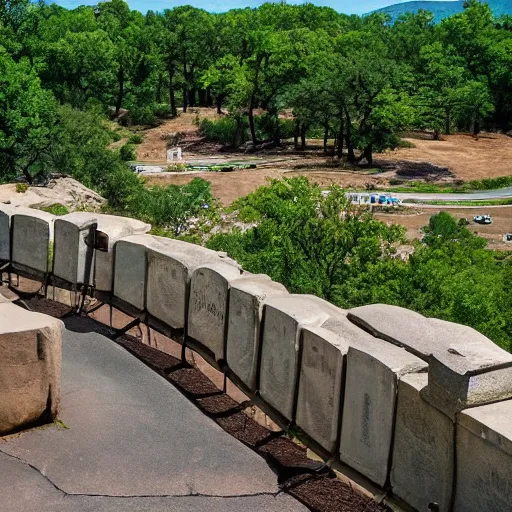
417 405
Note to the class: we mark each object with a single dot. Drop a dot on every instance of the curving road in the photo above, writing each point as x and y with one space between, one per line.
484 195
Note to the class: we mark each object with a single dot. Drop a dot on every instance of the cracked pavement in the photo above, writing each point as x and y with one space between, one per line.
131 442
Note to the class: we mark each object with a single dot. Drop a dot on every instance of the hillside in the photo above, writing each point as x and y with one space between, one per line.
442 9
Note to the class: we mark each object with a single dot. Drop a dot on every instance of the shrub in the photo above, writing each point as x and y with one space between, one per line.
56 209
127 153
144 115
226 130
21 188
136 139
176 167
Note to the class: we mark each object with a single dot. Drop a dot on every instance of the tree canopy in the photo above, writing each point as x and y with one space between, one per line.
359 80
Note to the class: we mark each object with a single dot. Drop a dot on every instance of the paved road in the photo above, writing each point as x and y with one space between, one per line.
484 195
134 443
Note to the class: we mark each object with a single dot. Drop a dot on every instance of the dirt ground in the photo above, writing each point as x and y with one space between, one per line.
415 219
487 156
455 157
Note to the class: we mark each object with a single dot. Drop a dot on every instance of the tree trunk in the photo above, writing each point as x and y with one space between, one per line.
172 98
218 102
367 154
340 138
192 97
476 128
201 97
303 137
251 124
185 98
348 139
436 134
296 135
158 92
120 93
209 99
447 122
326 137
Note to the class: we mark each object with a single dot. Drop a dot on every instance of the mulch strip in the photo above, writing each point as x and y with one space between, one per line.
310 482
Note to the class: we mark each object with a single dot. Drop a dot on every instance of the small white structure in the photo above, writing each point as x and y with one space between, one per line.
174 154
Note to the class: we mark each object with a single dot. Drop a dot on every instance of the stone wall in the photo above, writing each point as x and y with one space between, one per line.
418 406
30 367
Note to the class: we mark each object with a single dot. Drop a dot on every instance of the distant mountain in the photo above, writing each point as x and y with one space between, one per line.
442 9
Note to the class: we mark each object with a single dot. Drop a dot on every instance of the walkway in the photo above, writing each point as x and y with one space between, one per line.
130 442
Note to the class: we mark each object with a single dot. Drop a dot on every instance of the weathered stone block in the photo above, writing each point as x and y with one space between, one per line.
465 367
208 306
423 450
373 372
170 266
283 319
71 250
400 326
130 269
30 366
470 370
71 232
484 459
246 299
324 351
32 233
6 212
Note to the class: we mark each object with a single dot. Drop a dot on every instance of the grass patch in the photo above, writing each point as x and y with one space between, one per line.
56 209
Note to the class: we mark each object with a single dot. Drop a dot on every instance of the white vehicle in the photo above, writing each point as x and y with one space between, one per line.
482 219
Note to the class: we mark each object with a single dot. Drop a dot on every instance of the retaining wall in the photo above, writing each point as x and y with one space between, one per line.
418 406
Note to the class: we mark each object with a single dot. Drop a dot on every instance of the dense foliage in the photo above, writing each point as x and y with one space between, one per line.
358 79
324 246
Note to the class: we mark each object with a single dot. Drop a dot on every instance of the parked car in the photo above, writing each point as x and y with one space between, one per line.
482 219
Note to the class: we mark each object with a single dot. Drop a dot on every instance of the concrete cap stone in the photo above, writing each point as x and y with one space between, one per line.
492 422
70 264
423 448
247 297
32 232
470 370
373 371
484 459
208 305
400 326
320 385
170 267
284 317
30 366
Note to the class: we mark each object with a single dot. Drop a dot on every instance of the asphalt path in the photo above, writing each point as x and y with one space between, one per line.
484 195
131 442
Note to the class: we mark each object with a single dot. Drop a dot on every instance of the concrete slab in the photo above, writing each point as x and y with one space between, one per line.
400 326
170 267
423 451
25 489
484 459
30 367
246 299
32 234
470 370
284 317
324 353
373 372
208 305
130 269
6 212
71 231
131 433
465 367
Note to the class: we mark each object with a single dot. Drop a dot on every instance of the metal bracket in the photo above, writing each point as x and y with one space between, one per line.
97 240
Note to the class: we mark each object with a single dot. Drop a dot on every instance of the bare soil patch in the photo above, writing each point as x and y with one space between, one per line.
468 158
414 220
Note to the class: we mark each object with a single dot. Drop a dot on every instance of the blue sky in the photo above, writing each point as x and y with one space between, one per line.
345 6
